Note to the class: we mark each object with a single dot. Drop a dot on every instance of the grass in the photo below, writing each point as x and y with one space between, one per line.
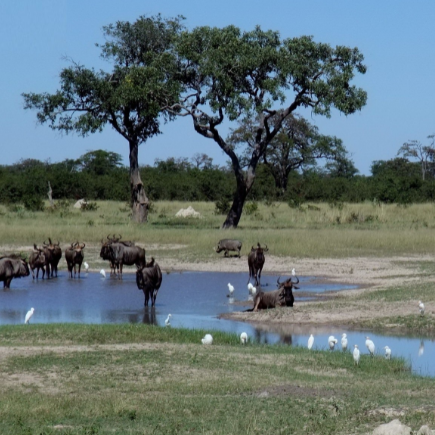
141 379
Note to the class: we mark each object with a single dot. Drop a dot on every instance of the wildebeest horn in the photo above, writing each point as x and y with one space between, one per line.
278 280
83 245
49 240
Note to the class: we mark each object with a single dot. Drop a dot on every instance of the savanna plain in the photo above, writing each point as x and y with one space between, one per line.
142 379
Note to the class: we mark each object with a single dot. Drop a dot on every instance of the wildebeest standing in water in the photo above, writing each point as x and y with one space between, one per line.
74 257
256 262
53 254
37 261
149 279
228 245
11 267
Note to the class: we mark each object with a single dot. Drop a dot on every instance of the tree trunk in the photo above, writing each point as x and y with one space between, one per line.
242 190
139 200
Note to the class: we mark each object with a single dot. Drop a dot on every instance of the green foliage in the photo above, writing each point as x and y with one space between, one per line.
222 206
33 203
89 206
251 208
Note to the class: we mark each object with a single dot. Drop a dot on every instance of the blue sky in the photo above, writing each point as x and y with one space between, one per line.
397 40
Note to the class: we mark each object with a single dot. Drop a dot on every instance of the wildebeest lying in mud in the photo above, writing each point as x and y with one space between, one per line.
229 245
149 279
282 296
12 266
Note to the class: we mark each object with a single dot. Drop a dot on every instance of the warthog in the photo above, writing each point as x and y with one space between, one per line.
149 279
37 261
282 296
256 262
11 267
228 245
74 256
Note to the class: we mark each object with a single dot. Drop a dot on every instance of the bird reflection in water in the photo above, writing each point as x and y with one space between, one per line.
421 348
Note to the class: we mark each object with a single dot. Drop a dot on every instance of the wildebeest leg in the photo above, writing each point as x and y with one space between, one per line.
33 275
80 266
147 296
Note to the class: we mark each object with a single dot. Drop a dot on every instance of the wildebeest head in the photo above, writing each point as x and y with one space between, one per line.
287 290
37 255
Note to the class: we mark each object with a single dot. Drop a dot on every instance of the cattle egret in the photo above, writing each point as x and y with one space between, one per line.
103 273
332 341
370 346
294 272
310 342
243 338
230 289
356 354
253 291
344 341
86 266
167 321
208 339
387 352
29 315
421 307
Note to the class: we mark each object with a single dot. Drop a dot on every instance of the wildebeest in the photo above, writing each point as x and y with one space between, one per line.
282 296
256 262
149 280
37 261
228 245
74 257
53 254
120 254
11 267
107 253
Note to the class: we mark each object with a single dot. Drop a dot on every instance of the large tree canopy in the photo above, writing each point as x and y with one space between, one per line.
232 75
130 97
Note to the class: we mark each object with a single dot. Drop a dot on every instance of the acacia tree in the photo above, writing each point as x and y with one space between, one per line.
423 153
298 145
130 97
232 75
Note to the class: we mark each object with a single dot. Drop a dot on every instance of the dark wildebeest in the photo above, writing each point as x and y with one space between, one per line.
282 296
120 254
53 254
149 279
37 261
74 256
106 252
256 262
228 245
11 267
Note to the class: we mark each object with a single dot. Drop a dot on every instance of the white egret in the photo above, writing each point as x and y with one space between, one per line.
167 321
370 346
356 354
332 341
103 273
310 342
230 289
387 352
86 266
243 338
344 341
208 339
29 315
254 290
421 307
293 272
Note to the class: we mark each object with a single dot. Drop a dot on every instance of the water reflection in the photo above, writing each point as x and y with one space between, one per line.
194 299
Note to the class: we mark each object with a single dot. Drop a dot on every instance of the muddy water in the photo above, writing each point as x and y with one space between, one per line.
194 299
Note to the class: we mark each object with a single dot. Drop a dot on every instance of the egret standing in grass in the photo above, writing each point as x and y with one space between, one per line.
29 315
231 289
208 339
103 273
387 352
243 338
332 341
344 342
356 354
421 307
168 321
370 346
310 342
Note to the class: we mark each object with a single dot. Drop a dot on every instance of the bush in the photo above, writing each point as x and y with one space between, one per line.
33 203
222 206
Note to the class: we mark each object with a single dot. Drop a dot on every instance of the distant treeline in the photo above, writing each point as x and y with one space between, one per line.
102 177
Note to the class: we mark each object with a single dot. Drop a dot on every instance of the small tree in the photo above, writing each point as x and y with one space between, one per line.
232 75
423 153
130 97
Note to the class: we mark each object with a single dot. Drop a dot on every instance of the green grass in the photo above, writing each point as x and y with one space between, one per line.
161 381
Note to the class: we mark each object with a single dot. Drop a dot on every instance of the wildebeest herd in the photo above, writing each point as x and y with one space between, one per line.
148 274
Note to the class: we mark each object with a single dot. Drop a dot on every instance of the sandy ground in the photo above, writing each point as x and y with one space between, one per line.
337 308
